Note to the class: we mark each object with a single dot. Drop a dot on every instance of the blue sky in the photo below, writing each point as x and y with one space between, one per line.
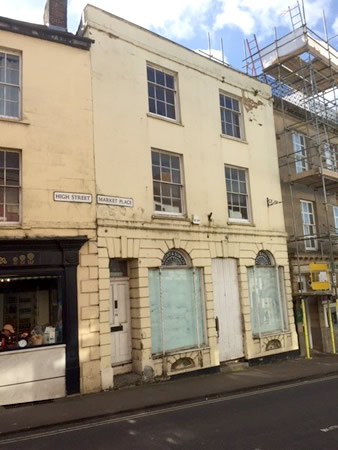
188 22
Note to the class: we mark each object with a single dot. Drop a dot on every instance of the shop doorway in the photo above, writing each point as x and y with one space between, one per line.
315 332
227 308
120 321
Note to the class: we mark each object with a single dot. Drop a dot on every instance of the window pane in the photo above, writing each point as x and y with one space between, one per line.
228 128
169 81
228 116
2 176
151 90
242 188
244 214
160 78
177 206
152 106
12 109
157 188
241 175
12 177
156 173
150 74
176 191
2 92
228 102
221 100
12 77
160 108
235 105
2 108
237 132
169 97
165 175
160 94
176 176
165 160
12 213
12 160
12 93
166 192
155 158
235 186
171 112
12 195
175 162
13 62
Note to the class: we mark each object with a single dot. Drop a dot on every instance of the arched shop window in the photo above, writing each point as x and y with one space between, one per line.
267 296
176 304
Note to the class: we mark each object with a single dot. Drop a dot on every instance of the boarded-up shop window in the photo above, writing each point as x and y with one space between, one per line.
267 298
176 309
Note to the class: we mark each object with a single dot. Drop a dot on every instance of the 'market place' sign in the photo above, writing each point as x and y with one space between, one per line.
114 201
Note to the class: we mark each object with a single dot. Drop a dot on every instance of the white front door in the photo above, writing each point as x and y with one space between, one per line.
120 321
227 308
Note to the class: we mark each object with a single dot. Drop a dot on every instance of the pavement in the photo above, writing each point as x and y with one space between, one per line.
74 409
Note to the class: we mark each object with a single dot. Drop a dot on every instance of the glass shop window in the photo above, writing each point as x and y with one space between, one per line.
30 313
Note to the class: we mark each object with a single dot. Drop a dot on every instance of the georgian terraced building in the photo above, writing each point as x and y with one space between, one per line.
47 213
193 264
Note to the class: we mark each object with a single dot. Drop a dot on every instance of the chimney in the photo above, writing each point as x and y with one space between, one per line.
55 15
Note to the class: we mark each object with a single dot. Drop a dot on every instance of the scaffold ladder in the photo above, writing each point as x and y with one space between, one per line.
256 63
296 17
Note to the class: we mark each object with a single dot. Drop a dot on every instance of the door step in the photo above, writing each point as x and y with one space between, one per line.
233 366
127 380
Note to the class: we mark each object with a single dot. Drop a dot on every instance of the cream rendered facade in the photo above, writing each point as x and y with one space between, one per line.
125 133
52 239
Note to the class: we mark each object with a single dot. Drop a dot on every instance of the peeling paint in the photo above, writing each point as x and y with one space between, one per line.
250 104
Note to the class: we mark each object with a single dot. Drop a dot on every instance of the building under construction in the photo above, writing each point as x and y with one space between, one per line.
302 70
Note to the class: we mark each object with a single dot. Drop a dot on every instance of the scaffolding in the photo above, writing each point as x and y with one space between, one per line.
302 69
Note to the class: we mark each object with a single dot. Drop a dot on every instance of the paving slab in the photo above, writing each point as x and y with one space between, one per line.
82 407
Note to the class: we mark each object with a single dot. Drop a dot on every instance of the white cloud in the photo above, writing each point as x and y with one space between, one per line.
26 11
335 26
179 20
262 16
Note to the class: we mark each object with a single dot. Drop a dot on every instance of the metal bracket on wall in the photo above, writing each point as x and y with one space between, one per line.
271 202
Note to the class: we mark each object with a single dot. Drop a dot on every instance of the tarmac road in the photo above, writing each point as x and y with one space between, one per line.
293 417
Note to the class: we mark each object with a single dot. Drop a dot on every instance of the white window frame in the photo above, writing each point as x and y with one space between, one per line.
4 222
333 309
165 89
330 157
256 304
309 224
300 152
335 218
229 109
246 195
202 317
7 84
161 182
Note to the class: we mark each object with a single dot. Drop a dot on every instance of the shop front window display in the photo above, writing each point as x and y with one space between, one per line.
30 313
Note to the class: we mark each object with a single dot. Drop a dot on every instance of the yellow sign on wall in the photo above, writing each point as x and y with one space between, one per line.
319 276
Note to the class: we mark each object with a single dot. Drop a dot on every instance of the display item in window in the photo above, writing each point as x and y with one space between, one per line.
7 337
